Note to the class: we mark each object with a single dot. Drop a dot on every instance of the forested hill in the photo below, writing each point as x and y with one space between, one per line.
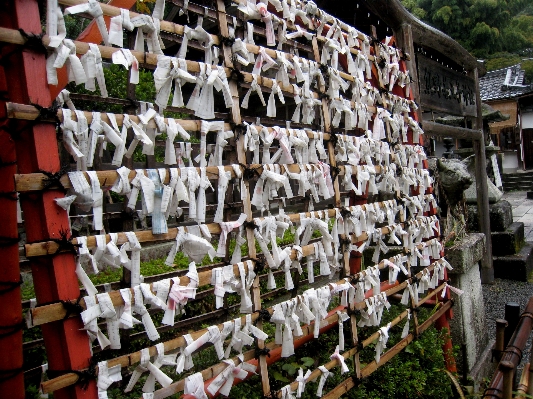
499 31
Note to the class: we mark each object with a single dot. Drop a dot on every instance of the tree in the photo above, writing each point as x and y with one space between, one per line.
484 27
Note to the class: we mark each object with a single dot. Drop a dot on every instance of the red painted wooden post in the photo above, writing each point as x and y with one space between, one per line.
11 373
36 149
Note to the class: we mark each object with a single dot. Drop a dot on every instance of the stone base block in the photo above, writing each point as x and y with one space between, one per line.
468 325
500 213
484 367
515 267
508 242
465 254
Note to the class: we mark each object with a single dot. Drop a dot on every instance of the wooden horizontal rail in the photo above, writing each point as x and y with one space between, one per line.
51 247
56 311
53 312
373 366
134 358
14 37
170 27
441 130
349 383
329 18
166 392
37 181
333 363
207 12
30 113
173 344
183 323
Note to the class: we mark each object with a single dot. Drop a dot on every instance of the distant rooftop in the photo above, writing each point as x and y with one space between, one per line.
504 83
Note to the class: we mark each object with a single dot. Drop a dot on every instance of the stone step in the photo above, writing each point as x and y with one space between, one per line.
508 242
518 174
528 174
510 179
517 181
519 185
515 267
515 187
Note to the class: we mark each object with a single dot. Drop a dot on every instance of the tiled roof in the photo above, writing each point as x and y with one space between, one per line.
504 83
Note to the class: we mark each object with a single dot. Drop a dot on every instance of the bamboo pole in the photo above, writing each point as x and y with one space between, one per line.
513 352
523 385
507 369
499 345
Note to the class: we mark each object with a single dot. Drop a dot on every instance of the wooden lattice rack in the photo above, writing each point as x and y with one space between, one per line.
335 153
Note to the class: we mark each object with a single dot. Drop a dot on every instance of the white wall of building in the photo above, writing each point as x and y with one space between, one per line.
510 162
527 120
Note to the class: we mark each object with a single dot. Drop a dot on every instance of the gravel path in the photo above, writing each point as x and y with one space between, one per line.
504 291
500 293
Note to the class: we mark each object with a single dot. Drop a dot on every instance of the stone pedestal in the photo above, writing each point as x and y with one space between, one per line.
468 325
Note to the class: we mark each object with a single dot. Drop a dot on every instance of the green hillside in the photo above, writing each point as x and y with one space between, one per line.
499 31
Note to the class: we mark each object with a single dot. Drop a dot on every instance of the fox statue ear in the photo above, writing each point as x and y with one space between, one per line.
469 161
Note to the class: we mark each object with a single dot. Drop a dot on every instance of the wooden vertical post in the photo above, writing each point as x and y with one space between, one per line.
499 346
331 151
523 385
348 270
247 206
507 369
127 218
404 37
355 341
36 149
487 270
529 389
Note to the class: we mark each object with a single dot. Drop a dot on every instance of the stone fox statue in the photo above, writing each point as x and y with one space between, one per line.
453 179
